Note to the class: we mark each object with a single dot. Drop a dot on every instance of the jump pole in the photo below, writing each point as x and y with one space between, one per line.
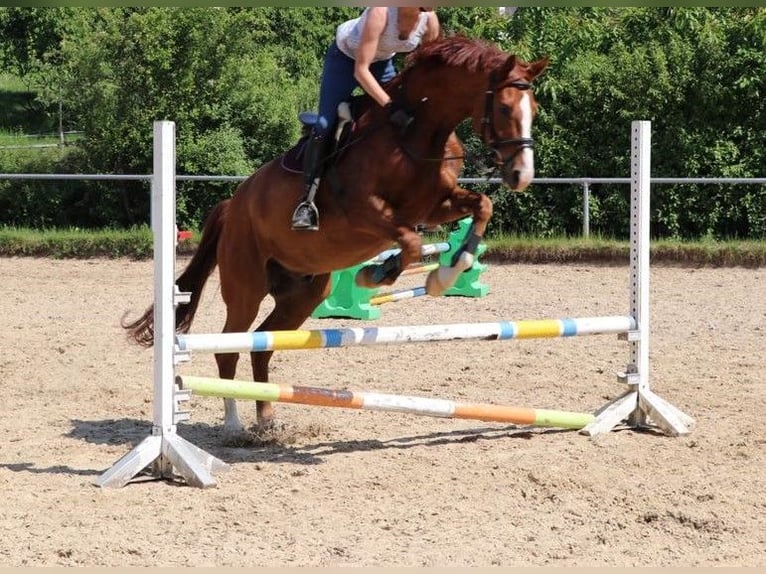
232 389
347 299
402 294
394 296
419 268
425 251
259 341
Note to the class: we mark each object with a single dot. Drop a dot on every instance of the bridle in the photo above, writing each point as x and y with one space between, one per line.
488 132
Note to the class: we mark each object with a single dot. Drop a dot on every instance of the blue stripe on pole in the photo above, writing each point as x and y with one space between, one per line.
569 328
181 342
260 341
507 330
418 291
332 337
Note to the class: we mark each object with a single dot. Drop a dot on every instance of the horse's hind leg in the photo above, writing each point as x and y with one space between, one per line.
295 298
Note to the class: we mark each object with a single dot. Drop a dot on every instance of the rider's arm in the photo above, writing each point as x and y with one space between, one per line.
432 29
368 45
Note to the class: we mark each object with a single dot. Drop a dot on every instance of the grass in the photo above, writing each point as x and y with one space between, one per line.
750 253
10 139
76 243
20 112
137 244
13 84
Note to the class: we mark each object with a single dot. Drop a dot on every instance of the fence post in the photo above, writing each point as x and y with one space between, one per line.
585 209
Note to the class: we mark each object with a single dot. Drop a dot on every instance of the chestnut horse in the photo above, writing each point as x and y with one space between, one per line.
381 186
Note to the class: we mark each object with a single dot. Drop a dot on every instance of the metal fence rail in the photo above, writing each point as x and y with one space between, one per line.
583 182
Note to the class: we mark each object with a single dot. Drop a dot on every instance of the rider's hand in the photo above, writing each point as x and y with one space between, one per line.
399 116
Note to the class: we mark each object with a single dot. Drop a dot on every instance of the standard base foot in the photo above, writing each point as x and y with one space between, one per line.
165 453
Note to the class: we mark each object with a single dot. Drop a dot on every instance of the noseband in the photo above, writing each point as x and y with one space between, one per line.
488 133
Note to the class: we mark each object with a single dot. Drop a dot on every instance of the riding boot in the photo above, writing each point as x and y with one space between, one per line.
306 215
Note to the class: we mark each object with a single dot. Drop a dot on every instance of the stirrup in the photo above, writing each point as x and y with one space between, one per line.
306 217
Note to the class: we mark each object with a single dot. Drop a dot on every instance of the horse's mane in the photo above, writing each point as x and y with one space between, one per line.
456 51
459 51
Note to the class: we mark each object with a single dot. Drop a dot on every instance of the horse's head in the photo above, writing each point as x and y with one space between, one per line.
456 77
505 124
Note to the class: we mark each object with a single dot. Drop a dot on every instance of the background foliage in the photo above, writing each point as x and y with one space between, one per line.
234 80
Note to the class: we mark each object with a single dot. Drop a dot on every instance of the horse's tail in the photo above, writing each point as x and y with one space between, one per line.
192 280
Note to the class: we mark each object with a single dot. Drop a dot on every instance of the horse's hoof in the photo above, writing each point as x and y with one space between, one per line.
235 436
268 431
232 430
271 425
434 286
363 279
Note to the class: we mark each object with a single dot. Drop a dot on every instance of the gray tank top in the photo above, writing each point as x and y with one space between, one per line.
349 34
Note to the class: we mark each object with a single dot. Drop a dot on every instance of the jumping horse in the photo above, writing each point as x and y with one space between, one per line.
382 184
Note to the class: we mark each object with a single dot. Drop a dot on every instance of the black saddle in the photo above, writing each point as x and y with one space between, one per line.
348 112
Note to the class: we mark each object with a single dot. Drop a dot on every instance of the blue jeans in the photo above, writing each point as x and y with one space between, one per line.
338 83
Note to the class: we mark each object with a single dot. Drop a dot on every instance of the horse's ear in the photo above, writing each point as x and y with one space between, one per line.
537 68
505 70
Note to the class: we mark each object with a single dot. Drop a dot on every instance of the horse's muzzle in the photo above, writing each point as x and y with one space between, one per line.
518 169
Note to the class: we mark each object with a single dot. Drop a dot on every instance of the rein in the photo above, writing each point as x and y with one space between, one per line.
488 135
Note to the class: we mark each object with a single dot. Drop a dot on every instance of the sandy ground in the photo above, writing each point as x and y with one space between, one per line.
366 488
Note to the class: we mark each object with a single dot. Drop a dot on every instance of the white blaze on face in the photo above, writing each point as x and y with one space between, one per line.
525 163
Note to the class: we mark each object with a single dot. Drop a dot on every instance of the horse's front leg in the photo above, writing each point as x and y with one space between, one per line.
387 272
461 203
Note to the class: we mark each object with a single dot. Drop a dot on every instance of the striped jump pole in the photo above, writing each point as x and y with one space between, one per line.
232 389
403 294
419 268
425 251
397 296
255 341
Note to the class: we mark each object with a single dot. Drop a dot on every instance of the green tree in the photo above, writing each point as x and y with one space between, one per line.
691 71
31 49
234 79
217 73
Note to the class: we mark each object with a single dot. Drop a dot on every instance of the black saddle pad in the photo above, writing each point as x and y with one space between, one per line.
292 160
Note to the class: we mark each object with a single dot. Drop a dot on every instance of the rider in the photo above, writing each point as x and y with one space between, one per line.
361 55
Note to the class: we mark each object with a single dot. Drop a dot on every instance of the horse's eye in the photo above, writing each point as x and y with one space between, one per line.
505 110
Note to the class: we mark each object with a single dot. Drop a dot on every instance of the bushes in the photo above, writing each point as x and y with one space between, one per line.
44 204
234 80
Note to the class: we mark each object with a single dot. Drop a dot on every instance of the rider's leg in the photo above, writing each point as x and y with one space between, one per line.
306 215
383 70
337 84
